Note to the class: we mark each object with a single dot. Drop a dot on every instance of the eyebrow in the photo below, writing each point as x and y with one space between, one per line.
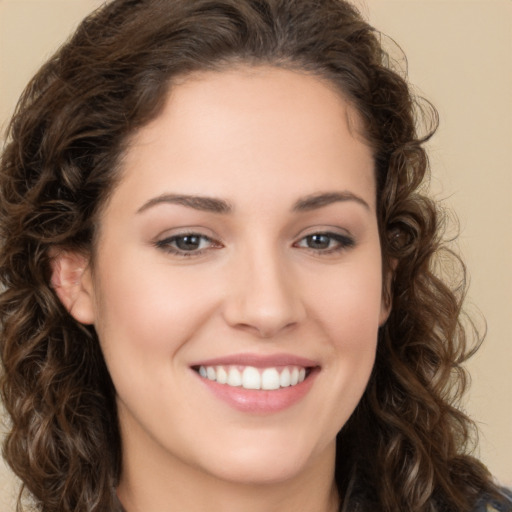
320 200
206 204
215 205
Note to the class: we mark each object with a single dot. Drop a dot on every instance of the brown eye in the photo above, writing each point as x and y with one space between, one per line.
188 242
320 241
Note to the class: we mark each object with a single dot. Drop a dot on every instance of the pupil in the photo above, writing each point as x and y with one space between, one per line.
188 243
318 241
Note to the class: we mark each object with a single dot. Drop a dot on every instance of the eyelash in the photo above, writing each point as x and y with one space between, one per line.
170 244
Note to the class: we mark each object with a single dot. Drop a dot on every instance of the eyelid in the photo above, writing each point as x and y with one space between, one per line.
325 230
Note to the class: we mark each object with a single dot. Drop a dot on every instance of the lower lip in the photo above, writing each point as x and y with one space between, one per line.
259 401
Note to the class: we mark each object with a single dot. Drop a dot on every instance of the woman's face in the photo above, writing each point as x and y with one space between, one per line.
240 250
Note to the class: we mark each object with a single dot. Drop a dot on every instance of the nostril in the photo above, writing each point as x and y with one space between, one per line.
264 330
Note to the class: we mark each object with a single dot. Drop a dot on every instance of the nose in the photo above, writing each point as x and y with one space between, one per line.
263 296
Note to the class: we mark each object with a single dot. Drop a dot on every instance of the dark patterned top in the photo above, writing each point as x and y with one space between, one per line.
504 505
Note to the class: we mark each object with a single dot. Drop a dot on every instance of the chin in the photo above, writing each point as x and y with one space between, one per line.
264 471
266 462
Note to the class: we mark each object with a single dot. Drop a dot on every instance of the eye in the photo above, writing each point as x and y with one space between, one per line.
325 242
187 244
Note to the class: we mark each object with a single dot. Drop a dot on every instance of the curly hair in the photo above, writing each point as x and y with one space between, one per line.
406 446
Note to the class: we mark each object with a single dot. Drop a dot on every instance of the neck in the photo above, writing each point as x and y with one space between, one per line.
149 486
226 498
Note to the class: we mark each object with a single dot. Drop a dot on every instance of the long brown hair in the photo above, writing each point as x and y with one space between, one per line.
405 447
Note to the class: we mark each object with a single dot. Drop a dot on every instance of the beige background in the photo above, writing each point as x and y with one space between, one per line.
460 57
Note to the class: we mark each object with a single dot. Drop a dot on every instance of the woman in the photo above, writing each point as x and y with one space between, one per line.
218 272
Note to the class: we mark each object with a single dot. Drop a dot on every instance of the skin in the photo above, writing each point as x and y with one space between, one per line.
260 139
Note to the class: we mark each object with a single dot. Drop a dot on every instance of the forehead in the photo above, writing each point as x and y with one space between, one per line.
254 92
234 129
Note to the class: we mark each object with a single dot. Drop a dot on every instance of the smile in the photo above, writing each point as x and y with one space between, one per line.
258 384
250 377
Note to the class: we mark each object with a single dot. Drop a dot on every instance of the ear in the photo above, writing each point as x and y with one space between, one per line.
72 281
387 291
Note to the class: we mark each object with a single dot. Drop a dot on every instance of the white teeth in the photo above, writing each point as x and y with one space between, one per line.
234 377
222 375
270 379
284 378
253 378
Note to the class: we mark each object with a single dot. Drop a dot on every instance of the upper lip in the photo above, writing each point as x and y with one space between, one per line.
258 361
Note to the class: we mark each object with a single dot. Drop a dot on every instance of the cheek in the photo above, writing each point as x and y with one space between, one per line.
145 311
352 322
348 302
349 313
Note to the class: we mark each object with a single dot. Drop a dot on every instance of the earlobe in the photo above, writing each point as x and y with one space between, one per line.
71 280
